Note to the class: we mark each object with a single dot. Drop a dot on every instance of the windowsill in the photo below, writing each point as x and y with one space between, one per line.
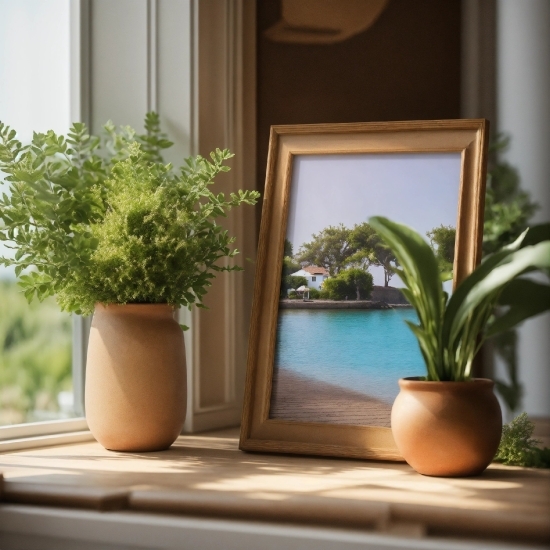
44 434
19 444
206 475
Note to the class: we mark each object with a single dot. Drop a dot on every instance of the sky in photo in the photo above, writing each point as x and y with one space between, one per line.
419 189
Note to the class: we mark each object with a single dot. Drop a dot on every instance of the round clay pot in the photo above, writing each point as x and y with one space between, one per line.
135 377
447 428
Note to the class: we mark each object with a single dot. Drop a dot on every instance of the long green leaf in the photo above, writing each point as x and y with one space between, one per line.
416 258
449 345
473 279
536 234
525 299
426 350
521 261
420 273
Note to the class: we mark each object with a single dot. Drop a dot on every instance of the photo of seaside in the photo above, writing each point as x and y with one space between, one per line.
342 341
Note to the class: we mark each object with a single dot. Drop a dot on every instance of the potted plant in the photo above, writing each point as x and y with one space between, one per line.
447 423
105 226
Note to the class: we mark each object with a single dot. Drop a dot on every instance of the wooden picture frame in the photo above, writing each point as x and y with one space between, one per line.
466 139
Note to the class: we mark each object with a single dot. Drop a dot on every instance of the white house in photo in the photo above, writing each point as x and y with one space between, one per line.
314 275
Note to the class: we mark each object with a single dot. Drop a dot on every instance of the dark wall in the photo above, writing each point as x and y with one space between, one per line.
405 67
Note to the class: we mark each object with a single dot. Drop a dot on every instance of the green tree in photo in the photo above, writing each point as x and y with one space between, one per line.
330 248
288 250
369 249
337 248
363 240
442 241
361 281
336 288
350 284
314 294
292 281
289 267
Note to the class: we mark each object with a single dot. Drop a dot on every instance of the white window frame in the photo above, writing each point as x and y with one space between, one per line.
204 91
53 432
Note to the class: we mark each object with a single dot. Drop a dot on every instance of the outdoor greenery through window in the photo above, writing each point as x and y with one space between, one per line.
36 339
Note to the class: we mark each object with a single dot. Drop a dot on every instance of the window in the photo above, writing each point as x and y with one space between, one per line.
166 60
35 339
313 279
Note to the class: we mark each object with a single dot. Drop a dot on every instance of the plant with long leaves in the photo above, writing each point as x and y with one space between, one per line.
450 331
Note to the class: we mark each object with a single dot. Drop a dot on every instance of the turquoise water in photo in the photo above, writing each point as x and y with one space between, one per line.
363 350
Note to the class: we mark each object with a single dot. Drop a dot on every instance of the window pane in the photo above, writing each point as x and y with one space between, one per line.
35 340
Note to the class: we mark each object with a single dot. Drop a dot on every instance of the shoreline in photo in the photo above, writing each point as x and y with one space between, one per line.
338 304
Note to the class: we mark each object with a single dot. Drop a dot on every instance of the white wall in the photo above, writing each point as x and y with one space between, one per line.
523 112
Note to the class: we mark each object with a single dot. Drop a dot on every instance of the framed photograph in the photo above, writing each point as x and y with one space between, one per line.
328 341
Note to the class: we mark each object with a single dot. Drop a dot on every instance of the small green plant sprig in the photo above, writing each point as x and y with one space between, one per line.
102 219
517 446
451 331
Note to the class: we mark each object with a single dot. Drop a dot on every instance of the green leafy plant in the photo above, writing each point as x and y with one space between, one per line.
508 208
517 446
102 219
451 331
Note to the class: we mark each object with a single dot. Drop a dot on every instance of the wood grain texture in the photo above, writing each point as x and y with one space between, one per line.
208 476
307 400
95 498
467 137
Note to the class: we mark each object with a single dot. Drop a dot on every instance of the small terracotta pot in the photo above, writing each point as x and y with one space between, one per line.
447 428
135 377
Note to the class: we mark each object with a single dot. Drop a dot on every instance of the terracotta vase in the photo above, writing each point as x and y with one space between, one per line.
135 393
447 429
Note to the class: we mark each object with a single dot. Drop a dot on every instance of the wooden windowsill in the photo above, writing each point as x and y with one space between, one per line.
206 475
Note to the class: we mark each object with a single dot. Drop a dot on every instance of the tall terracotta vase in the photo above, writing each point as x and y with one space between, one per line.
447 428
135 377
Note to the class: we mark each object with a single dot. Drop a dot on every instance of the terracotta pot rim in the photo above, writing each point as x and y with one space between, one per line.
134 305
136 310
414 383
